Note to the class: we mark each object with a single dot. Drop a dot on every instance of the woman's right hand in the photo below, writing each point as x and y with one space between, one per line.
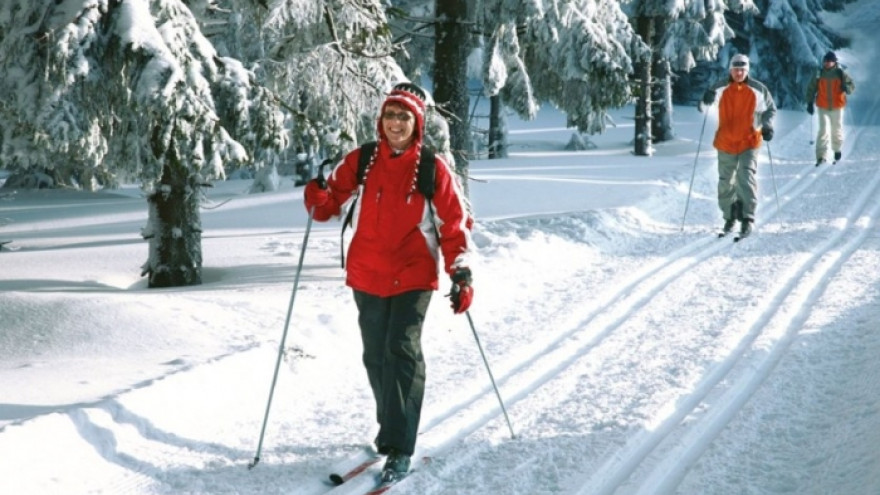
316 194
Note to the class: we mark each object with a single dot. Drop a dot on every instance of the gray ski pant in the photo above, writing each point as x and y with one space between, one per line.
737 180
391 331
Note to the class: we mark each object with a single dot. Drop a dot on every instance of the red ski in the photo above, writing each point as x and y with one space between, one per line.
338 479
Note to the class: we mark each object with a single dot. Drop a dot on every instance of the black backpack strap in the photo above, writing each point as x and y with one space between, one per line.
425 182
842 79
367 150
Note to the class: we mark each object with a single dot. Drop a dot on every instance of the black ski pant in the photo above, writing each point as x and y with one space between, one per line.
391 331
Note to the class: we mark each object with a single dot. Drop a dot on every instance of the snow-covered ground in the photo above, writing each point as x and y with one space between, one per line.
634 351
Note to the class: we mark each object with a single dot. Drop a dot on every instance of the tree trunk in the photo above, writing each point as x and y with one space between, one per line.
174 229
497 143
661 93
451 45
645 27
662 125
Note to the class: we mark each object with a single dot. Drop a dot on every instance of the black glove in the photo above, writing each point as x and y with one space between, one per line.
810 108
461 294
708 97
767 133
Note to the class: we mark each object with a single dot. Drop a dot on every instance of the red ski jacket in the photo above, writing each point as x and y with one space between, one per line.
393 247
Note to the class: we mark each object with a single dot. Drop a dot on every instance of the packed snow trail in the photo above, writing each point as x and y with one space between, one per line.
618 309
657 458
803 285
542 366
803 289
649 405
649 361
473 411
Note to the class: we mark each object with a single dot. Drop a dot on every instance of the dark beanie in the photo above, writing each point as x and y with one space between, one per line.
830 57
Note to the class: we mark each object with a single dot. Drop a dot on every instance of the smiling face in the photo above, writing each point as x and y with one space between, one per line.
398 125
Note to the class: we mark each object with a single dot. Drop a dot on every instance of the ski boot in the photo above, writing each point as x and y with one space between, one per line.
396 466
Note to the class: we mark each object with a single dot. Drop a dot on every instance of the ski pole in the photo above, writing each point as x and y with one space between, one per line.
773 175
302 253
491 378
811 129
694 172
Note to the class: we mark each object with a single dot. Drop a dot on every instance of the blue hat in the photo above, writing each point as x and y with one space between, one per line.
830 57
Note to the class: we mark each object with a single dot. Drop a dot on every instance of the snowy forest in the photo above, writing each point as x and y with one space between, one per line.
174 94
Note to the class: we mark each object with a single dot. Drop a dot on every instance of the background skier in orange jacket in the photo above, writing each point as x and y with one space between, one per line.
828 90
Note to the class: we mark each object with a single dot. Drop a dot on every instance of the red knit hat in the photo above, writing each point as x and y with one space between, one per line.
413 98
416 100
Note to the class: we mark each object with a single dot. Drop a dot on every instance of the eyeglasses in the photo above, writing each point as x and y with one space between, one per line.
398 116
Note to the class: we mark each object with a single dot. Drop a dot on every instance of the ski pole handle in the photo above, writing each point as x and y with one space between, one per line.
322 182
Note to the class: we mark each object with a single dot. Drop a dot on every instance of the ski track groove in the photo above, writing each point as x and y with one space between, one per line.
803 287
549 354
638 292
559 354
816 272
826 262
103 439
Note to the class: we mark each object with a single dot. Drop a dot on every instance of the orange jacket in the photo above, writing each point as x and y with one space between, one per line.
743 109
830 87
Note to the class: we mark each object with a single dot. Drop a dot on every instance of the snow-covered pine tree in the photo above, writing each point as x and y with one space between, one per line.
785 43
407 25
130 89
412 25
330 61
522 37
583 51
785 40
647 27
681 33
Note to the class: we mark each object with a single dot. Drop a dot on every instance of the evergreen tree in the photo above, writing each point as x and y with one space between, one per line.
575 54
582 49
330 62
130 89
680 33
646 26
785 41
412 25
